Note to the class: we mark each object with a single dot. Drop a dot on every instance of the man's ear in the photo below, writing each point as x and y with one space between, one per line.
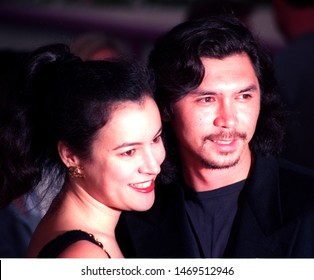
67 156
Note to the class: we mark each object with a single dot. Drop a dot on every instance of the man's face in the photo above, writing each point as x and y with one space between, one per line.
215 122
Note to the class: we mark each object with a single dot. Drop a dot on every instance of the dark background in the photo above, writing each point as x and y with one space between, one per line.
27 24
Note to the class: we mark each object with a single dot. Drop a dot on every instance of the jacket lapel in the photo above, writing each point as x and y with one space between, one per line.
259 230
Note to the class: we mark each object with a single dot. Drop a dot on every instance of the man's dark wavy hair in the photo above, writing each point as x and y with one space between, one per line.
176 62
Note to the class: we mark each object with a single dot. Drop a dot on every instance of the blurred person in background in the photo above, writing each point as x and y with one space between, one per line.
97 46
294 72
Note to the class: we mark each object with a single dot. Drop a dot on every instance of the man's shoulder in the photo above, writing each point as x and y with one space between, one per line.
295 173
293 180
286 169
290 184
296 187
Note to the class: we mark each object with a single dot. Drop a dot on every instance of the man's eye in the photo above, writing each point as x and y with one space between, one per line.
207 99
157 139
129 153
245 96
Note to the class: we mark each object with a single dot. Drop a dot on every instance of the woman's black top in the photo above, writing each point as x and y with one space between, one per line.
56 246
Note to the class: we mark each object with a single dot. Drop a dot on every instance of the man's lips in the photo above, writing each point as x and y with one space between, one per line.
225 138
144 187
223 142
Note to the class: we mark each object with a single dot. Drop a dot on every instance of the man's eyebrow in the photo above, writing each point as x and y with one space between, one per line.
198 92
202 92
249 88
131 144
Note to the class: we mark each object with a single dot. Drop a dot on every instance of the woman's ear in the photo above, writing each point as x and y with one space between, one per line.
67 156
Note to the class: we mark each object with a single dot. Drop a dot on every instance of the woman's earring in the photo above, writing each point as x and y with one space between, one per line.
76 172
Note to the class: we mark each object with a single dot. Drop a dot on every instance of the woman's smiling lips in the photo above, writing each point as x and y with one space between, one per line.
144 187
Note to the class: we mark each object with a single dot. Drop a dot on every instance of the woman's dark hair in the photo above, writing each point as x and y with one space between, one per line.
64 99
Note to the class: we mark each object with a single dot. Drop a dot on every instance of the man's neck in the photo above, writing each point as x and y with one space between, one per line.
204 179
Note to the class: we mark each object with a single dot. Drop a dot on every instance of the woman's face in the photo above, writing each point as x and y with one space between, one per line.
126 157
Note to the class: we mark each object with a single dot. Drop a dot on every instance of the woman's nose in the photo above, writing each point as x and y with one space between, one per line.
151 164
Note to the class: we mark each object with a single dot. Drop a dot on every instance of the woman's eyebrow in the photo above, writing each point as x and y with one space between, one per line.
130 144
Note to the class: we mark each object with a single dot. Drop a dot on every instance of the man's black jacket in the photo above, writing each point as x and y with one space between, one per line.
275 218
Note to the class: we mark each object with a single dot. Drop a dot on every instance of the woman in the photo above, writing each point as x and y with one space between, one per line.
93 130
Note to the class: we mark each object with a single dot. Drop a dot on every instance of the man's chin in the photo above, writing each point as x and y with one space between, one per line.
225 164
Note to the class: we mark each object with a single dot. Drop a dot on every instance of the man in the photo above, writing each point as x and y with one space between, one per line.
229 197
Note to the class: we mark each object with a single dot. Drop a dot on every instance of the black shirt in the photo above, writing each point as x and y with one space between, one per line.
211 215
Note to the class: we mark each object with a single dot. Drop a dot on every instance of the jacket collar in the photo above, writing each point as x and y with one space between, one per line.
259 229
263 193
